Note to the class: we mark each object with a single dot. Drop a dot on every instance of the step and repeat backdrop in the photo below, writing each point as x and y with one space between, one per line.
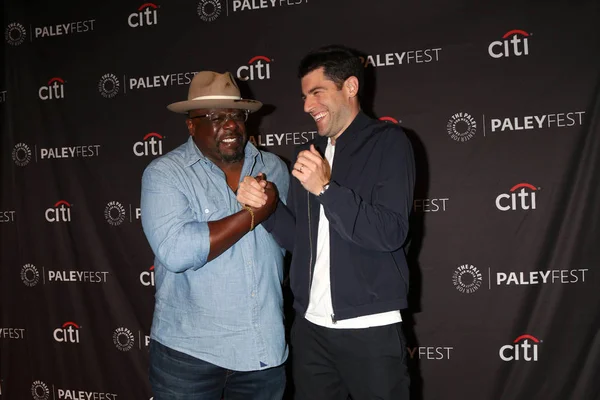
500 101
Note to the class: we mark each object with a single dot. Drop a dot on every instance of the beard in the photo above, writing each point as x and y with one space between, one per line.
232 157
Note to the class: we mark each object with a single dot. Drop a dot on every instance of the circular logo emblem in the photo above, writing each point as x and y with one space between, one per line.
123 339
15 34
467 279
21 154
30 275
40 391
114 213
109 85
461 127
209 10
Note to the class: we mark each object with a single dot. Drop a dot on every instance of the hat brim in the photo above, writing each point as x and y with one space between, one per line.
182 107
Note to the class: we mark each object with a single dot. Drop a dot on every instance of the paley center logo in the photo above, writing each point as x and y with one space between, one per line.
513 43
259 67
524 347
15 34
40 391
467 278
150 145
55 89
147 277
210 10
146 15
22 153
124 339
67 333
30 276
520 197
109 84
461 127
402 58
115 213
282 139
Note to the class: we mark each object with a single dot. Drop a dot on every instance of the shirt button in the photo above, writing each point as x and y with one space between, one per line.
253 293
206 211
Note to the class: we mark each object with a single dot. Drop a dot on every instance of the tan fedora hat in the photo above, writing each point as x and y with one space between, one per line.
210 89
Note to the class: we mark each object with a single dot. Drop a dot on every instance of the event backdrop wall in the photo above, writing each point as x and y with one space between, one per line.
500 101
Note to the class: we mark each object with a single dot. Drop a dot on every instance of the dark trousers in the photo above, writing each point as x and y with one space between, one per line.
365 364
178 376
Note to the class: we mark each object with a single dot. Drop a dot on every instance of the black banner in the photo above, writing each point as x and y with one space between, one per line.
499 100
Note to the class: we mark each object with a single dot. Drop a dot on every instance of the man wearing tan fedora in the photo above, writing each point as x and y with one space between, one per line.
217 329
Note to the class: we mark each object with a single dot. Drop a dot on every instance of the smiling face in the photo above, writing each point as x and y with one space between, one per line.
220 134
333 108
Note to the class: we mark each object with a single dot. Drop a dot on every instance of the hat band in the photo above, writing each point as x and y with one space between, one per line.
217 98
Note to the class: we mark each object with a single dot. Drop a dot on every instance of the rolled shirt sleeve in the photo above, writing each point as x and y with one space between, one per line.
177 238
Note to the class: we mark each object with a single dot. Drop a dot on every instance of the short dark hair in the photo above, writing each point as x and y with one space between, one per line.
338 62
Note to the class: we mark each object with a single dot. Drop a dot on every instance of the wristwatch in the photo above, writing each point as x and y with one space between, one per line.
325 187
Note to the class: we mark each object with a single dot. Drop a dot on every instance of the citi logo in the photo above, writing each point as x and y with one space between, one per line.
145 15
258 67
525 348
513 43
54 90
147 277
389 119
68 333
525 201
61 212
151 145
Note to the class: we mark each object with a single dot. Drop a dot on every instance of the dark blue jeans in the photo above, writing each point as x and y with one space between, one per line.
178 376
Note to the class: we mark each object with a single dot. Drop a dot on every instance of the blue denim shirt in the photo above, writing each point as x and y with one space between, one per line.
228 311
